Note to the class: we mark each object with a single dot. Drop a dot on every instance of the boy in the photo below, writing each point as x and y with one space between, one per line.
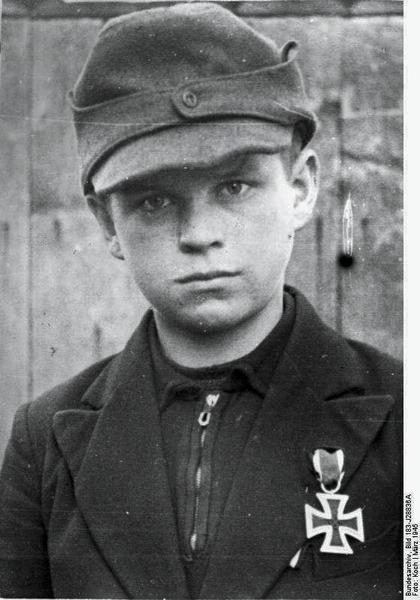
237 447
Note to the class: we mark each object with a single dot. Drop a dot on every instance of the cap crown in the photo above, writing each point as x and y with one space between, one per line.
165 47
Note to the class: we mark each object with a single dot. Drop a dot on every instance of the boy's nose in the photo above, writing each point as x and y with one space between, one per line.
201 227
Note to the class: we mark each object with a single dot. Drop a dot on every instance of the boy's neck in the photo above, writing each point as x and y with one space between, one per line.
204 350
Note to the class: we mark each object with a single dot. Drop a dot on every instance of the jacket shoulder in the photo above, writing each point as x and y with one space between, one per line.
66 395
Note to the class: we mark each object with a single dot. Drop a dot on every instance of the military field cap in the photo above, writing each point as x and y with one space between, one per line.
177 85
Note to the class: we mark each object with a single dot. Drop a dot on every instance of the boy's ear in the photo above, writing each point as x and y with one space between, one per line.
305 180
102 211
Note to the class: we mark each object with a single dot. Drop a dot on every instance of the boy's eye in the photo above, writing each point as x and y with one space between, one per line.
234 188
155 203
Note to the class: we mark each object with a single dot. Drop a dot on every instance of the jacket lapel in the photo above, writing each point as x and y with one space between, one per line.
114 451
312 403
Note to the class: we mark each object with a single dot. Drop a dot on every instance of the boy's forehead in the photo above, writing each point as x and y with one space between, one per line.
212 147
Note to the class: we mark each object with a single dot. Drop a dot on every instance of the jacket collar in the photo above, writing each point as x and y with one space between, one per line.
114 450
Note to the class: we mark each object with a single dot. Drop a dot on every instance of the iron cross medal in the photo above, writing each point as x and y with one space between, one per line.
332 521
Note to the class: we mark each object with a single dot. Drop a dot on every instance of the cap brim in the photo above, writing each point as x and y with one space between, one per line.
190 145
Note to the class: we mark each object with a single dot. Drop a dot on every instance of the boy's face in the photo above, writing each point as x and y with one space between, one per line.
208 247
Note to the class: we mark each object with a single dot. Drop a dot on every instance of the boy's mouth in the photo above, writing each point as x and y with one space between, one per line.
208 276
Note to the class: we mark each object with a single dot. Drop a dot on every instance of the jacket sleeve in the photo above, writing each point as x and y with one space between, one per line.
24 569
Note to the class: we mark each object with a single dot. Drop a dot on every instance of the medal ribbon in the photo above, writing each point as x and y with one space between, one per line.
328 465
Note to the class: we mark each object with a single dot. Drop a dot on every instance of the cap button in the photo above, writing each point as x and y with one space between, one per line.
189 99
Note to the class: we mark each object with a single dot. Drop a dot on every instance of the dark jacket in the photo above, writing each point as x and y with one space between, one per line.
86 510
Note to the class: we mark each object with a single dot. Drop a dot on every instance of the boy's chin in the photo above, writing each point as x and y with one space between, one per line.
214 318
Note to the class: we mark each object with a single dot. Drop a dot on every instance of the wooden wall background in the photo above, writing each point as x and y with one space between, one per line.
65 303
